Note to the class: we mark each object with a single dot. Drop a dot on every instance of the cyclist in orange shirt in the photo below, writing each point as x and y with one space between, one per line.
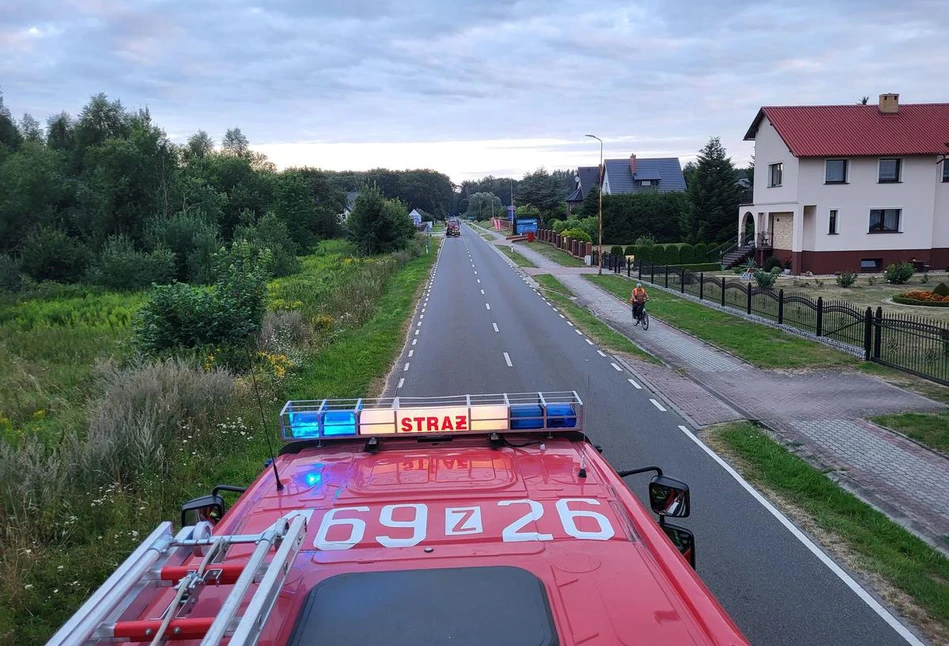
638 298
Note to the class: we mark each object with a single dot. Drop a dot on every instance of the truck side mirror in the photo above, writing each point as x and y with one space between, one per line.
209 508
669 497
683 539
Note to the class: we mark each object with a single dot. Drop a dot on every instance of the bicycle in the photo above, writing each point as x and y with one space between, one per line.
643 317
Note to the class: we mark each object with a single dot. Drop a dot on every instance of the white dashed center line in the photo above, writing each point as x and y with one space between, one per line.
495 326
579 332
507 360
657 405
635 385
487 305
414 341
589 341
562 316
406 368
401 381
482 292
411 352
618 369
601 353
479 281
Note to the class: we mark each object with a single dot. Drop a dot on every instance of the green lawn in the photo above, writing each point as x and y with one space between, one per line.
518 259
760 345
931 430
557 255
589 324
880 545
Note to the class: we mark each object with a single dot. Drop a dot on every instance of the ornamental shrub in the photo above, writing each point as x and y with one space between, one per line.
765 278
771 263
898 274
846 278
941 289
687 255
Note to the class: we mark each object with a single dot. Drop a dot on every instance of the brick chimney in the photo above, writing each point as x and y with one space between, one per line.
889 103
632 164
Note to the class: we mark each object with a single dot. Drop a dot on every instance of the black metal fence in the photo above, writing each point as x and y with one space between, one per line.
901 341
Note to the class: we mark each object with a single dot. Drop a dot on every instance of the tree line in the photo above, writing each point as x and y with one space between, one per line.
105 196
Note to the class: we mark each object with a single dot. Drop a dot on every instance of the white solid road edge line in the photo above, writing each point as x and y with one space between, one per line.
657 405
848 580
507 360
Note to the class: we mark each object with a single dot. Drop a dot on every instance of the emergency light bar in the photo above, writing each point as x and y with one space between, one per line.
329 419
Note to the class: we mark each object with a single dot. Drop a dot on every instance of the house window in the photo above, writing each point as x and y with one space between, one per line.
835 171
832 227
885 220
869 264
775 174
645 182
945 170
889 170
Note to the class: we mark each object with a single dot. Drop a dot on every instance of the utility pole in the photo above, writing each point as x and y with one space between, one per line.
599 189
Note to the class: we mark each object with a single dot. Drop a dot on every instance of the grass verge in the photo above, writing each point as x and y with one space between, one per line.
589 324
877 545
924 387
759 345
557 255
518 259
357 361
931 430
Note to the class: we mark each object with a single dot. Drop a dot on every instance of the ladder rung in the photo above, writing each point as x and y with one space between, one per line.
227 573
141 631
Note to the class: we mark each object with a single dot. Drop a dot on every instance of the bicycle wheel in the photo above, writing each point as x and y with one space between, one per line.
645 320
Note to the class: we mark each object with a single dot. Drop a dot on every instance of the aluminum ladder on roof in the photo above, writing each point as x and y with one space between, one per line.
98 618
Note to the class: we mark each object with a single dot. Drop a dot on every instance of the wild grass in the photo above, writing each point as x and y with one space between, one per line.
96 448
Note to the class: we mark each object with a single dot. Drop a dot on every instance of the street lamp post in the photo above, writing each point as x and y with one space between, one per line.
599 190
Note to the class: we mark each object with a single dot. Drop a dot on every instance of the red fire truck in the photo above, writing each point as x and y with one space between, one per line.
479 519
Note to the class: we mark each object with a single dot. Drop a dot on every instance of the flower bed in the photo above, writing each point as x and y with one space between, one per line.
925 298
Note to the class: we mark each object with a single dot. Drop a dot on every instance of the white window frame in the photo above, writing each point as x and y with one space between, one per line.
846 164
899 224
779 166
899 170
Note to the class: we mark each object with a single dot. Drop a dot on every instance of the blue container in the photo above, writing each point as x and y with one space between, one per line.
561 416
526 416
338 423
304 424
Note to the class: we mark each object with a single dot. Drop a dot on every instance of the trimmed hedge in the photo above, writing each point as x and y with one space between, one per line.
687 254
700 253
616 250
912 301
632 250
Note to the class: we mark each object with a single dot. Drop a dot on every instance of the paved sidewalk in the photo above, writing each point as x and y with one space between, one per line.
820 413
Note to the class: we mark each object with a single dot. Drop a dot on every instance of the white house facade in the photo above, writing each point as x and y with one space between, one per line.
852 187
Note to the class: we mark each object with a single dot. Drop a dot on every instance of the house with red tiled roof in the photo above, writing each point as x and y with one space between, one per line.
849 187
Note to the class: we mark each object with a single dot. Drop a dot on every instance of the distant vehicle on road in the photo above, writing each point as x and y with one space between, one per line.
473 519
453 229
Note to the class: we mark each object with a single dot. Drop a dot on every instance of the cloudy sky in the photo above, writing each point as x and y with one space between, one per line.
468 87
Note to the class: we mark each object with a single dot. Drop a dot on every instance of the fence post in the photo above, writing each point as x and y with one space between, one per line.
629 268
780 306
667 276
748 308
652 269
640 269
682 281
723 291
867 333
701 285
820 315
878 333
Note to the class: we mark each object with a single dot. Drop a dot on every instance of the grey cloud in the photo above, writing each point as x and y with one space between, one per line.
667 73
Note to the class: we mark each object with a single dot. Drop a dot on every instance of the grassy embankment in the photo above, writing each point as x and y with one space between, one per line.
81 485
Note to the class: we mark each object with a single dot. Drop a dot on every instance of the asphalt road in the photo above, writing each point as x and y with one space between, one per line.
509 339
